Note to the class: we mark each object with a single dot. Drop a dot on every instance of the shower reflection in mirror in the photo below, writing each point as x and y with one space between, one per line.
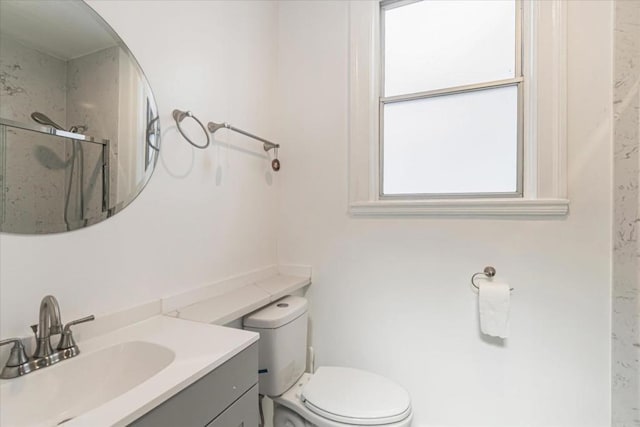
75 176
79 128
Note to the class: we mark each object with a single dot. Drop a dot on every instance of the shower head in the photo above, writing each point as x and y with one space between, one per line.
44 120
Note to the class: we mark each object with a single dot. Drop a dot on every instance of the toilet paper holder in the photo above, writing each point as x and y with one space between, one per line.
488 272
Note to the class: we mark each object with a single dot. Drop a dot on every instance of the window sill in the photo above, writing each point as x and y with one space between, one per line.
464 208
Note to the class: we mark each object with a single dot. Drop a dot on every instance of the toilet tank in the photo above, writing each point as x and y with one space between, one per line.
282 348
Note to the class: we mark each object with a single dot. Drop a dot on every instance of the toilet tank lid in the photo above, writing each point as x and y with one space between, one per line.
277 314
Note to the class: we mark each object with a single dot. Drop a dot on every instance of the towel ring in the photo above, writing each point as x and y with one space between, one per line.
179 116
488 272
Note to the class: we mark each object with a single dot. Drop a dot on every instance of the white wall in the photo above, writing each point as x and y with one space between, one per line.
205 215
392 295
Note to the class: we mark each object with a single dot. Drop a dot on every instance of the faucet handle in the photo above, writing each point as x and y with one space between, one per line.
67 327
66 339
18 355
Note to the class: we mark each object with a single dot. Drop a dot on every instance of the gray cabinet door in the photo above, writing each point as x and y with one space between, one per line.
243 413
207 398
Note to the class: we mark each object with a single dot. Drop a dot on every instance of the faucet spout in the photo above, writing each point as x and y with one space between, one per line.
49 319
49 322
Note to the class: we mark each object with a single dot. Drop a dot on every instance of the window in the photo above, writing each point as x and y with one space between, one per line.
457 108
450 110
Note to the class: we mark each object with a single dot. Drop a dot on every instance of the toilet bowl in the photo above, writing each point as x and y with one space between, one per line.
332 396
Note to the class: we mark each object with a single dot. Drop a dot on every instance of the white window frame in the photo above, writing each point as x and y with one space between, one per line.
544 147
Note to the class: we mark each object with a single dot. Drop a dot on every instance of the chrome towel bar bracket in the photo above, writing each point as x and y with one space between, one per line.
267 145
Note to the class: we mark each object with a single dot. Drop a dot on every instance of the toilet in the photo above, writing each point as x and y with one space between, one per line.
332 396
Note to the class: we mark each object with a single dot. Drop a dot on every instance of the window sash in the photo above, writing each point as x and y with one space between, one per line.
518 81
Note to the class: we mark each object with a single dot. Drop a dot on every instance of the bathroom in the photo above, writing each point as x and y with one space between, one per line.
389 288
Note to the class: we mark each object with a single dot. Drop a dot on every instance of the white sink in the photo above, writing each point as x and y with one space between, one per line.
70 388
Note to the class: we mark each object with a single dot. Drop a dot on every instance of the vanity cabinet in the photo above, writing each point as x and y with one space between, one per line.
226 397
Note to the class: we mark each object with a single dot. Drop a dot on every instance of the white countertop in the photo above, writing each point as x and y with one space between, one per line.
198 348
234 304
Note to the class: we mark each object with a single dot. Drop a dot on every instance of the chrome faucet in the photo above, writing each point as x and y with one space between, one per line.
49 323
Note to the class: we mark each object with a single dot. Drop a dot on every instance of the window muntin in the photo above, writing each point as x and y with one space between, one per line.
468 53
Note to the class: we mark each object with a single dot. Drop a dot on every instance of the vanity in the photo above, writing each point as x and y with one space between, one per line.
184 368
158 372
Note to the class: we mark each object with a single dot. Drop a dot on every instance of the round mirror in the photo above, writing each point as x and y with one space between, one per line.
79 129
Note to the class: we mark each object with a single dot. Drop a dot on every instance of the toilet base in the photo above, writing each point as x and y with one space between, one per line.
285 417
289 408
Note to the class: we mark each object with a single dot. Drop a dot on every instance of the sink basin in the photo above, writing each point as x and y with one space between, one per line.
61 392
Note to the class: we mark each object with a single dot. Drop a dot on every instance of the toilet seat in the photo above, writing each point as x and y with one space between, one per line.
353 396
292 400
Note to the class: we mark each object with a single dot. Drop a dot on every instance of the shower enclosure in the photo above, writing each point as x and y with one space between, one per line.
58 122
626 172
59 157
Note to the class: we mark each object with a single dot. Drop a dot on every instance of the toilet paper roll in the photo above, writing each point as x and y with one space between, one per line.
494 306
